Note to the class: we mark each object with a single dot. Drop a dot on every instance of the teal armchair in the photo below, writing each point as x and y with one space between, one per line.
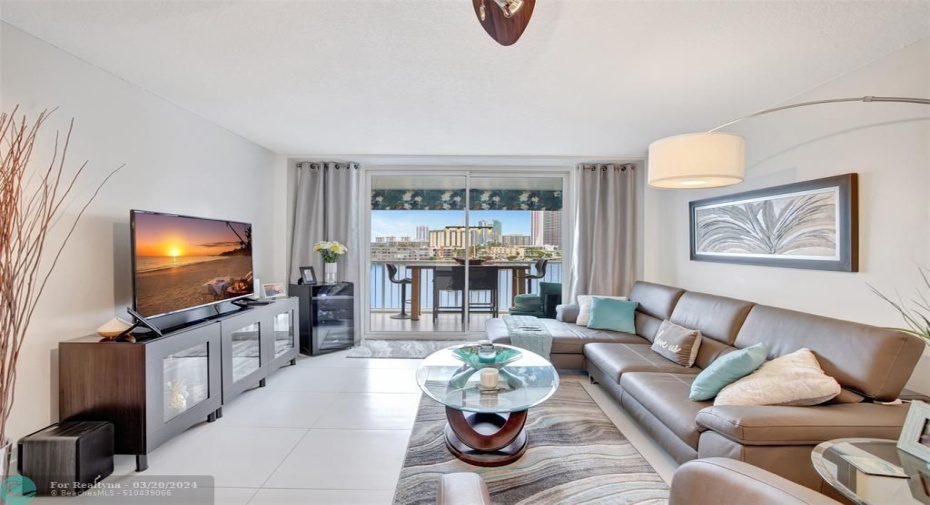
541 305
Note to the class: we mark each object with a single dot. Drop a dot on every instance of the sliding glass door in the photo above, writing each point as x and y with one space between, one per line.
448 252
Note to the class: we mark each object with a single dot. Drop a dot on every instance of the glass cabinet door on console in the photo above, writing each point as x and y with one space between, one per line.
242 352
280 334
245 350
186 377
182 387
284 334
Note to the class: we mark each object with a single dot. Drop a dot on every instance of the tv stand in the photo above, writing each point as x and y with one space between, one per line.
154 389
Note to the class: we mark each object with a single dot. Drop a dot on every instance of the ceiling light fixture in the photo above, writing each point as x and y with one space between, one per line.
506 22
510 7
711 159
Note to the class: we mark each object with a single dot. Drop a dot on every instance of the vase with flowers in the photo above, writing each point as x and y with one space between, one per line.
916 314
330 251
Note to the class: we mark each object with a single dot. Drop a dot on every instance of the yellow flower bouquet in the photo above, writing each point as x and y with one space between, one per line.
331 251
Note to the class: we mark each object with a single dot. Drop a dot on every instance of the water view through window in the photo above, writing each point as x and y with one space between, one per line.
501 238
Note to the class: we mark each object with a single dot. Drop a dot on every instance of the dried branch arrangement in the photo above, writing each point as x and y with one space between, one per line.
32 201
916 314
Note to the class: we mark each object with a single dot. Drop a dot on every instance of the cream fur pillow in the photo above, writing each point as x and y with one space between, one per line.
584 307
792 379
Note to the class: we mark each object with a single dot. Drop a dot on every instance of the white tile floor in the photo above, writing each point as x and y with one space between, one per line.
330 430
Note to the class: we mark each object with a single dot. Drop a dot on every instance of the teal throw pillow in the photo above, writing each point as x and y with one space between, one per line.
613 314
726 370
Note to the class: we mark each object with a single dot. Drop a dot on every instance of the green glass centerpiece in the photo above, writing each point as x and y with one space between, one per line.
469 355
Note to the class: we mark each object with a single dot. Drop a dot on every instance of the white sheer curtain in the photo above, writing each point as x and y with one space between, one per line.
603 260
326 208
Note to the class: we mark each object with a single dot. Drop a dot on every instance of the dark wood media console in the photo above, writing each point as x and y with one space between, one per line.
154 389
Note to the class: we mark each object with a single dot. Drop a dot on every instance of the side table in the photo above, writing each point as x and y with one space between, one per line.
834 460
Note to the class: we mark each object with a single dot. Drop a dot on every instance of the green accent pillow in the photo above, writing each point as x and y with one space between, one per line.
613 314
726 370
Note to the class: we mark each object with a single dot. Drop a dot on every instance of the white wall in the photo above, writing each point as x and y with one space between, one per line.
175 162
888 145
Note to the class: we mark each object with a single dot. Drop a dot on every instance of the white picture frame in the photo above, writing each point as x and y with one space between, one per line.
915 435
274 290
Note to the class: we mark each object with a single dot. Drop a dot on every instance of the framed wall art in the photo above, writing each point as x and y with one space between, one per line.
811 224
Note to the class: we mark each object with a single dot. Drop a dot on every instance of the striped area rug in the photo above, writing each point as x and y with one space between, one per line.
575 456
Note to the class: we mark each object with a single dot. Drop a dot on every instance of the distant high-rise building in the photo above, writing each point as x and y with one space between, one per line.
536 228
552 228
546 228
422 233
497 231
516 240
454 236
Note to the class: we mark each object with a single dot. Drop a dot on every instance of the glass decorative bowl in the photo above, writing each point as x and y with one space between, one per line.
469 355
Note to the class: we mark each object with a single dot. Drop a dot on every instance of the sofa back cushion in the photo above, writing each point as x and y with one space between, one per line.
647 326
876 362
716 317
655 300
711 350
656 303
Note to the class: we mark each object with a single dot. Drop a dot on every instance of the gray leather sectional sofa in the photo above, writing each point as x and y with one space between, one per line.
871 364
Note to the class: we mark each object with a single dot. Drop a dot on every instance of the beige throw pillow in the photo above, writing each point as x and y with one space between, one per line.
584 307
792 379
677 343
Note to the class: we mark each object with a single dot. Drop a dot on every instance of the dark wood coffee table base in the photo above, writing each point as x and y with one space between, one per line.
486 439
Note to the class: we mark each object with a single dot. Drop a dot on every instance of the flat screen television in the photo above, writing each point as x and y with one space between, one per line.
183 262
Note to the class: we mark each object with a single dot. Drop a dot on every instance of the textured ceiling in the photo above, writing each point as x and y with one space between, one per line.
588 78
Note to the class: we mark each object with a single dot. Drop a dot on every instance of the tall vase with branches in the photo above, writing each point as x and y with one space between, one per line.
33 200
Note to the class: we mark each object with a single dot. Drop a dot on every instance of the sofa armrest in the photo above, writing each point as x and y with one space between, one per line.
567 313
771 425
712 481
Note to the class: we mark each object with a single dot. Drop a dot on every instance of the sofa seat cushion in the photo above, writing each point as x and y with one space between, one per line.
617 359
665 396
782 425
567 338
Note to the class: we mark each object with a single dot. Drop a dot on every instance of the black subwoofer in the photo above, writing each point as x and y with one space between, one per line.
68 457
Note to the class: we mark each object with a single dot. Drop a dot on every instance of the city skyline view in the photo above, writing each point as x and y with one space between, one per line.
403 223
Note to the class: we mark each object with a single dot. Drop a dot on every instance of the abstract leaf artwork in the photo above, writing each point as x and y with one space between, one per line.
804 225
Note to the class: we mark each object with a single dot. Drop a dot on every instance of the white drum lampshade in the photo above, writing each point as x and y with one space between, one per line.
697 160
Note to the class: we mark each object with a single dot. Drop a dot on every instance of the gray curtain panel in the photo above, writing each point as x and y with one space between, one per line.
605 224
327 208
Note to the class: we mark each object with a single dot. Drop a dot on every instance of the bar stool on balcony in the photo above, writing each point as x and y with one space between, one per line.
540 273
392 271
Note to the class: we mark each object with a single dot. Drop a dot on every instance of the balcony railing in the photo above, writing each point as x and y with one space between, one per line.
385 295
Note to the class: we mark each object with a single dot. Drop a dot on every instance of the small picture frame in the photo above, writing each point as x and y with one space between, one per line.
915 435
307 275
273 290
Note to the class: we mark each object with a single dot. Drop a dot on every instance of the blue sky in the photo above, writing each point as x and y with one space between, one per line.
403 223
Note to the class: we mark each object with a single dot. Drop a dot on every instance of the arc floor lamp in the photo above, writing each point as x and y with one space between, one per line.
711 159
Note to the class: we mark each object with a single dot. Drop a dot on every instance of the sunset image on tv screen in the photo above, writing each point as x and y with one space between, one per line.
184 262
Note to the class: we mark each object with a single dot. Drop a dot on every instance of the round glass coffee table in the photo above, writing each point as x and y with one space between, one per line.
485 425
871 471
